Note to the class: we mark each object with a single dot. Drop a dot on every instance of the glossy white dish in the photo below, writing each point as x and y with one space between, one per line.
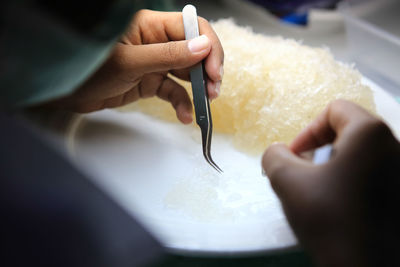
157 172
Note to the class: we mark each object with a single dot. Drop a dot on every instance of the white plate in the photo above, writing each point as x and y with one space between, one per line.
156 171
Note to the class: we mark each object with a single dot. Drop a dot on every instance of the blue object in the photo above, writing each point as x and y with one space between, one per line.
294 11
294 18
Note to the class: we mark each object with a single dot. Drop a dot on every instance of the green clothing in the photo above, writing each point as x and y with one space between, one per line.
42 57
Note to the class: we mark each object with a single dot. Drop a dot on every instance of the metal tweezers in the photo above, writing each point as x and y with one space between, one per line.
200 95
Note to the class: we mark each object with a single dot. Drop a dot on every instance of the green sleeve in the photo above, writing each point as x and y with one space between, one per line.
42 58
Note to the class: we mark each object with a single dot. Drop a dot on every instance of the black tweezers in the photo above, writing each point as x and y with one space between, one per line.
198 79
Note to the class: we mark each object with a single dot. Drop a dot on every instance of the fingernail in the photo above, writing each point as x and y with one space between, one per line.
263 173
188 113
217 87
198 44
221 72
189 117
186 117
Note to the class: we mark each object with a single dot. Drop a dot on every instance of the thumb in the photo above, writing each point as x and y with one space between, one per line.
287 172
166 56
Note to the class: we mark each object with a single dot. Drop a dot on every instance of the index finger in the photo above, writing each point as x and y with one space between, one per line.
328 125
173 25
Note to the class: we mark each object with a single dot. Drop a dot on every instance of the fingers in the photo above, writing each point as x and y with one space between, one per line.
151 85
173 25
287 172
316 134
328 125
214 63
283 165
112 102
173 30
142 59
155 84
183 74
175 94
158 84
213 88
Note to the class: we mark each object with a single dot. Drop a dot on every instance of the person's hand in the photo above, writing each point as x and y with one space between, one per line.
343 211
152 47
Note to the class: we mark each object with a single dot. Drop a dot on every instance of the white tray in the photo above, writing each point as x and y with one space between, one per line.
156 171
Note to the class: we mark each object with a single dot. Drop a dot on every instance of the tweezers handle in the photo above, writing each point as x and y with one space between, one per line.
200 97
197 74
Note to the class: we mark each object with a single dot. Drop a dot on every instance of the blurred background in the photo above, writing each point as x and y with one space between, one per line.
363 32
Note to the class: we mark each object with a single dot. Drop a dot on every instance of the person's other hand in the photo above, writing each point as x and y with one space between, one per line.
342 211
152 47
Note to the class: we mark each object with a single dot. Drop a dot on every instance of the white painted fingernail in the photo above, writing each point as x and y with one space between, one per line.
221 72
198 44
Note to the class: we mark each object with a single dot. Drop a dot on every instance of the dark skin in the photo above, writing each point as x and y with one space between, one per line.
343 211
153 46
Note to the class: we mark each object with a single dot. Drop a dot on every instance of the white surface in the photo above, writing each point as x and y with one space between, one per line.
157 172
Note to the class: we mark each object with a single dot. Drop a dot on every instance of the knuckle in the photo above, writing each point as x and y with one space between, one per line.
172 51
142 13
117 61
171 54
142 18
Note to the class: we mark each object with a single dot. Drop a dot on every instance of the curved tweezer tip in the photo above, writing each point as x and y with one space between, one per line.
212 163
206 133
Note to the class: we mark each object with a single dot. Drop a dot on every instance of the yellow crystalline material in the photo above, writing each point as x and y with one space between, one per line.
272 88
